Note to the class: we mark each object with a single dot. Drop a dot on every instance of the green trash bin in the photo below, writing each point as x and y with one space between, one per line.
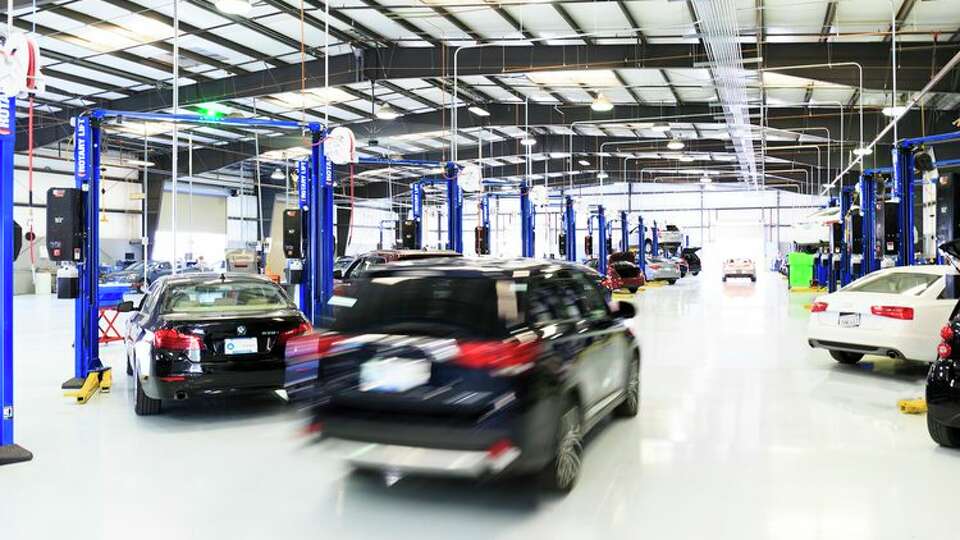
801 269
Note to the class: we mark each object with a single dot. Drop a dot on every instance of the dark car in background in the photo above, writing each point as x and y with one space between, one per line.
693 260
134 274
472 367
943 379
208 334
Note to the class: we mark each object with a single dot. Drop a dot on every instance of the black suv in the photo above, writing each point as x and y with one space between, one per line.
468 367
943 380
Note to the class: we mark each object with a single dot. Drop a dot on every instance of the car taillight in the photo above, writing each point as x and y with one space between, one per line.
654 266
946 333
169 339
496 355
893 312
818 307
944 350
301 329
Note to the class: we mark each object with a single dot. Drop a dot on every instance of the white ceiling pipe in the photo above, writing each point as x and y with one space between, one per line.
947 68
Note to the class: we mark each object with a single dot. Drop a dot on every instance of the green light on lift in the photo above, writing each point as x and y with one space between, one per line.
213 110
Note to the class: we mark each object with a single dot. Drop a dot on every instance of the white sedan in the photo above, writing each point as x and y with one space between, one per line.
743 268
895 312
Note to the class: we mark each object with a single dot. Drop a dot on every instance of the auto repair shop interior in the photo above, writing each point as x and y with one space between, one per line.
483 269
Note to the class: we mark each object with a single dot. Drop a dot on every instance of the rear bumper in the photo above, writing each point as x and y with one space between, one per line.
883 342
421 460
444 445
739 273
211 384
943 392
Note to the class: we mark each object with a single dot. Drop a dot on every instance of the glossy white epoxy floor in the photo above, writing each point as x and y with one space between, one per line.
744 433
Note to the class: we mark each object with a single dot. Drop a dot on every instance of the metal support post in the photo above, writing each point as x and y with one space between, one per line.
845 262
416 211
9 452
304 187
624 232
602 249
322 178
655 242
526 219
454 209
570 222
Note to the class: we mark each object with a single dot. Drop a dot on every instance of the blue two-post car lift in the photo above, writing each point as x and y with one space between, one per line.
9 451
316 200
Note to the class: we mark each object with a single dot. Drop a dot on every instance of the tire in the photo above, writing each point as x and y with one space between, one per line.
753 279
561 474
697 273
671 281
631 405
145 405
724 279
632 289
844 357
945 436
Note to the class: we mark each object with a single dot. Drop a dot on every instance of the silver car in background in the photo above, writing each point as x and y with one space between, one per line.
662 269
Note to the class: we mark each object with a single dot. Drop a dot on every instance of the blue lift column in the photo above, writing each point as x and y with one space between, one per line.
570 223
868 207
602 249
321 249
903 167
454 209
846 193
624 232
655 242
642 249
9 452
526 221
303 193
86 159
485 220
416 210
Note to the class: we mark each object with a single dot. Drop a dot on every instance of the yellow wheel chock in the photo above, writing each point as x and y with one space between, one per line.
99 380
912 406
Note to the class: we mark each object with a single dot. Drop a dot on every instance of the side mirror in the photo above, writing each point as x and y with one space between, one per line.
125 307
338 274
625 310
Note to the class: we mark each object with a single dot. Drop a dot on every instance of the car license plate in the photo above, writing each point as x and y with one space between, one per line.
393 374
247 345
849 320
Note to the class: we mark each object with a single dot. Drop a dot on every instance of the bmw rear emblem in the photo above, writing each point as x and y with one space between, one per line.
241 330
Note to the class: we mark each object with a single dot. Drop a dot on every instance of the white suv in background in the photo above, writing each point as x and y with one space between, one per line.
743 268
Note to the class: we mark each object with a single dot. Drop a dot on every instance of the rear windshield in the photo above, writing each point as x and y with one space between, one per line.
896 283
431 305
216 295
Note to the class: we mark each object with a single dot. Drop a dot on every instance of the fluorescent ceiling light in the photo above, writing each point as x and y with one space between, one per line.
592 77
289 153
601 175
278 174
139 163
479 111
686 159
315 97
893 111
675 144
660 128
558 155
527 141
386 112
705 179
862 151
234 7
584 163
601 104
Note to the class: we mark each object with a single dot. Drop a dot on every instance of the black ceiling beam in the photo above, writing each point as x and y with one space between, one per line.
425 62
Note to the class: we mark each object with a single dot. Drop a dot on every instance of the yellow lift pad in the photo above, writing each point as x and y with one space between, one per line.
912 406
100 380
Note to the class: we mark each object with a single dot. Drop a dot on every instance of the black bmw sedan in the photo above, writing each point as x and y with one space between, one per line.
468 367
209 334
